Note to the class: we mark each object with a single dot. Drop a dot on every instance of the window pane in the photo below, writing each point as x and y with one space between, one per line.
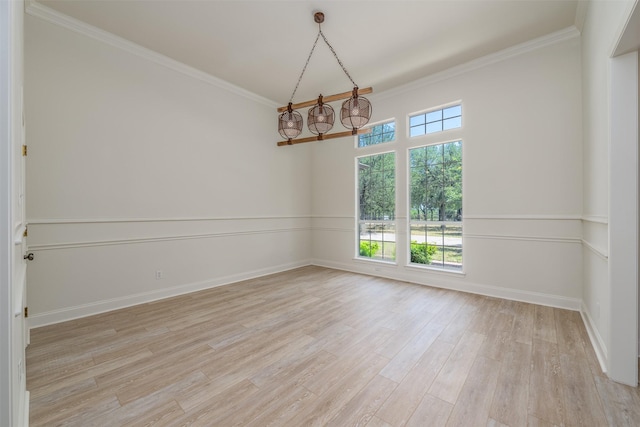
453 151
434 127
453 123
452 112
452 212
384 132
453 246
377 240
376 191
434 116
417 120
434 153
388 132
418 232
417 130
417 157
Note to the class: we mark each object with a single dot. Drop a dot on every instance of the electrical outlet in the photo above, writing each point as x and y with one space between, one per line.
159 275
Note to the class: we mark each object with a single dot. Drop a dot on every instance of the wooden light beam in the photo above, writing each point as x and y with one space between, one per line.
326 99
322 137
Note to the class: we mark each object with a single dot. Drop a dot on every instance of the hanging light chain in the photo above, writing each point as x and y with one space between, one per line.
315 43
355 112
336 55
305 67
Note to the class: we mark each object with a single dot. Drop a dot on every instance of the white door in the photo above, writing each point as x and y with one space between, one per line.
623 202
20 332
13 327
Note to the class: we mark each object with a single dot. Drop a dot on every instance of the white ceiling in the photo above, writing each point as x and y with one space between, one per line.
262 45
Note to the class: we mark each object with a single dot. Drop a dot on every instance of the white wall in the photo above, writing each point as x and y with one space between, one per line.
522 183
603 22
135 168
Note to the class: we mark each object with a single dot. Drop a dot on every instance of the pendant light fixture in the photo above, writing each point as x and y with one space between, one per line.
321 118
290 123
354 113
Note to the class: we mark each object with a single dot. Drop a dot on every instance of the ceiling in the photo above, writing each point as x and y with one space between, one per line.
262 45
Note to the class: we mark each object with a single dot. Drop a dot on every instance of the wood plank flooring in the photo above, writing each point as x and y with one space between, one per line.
320 347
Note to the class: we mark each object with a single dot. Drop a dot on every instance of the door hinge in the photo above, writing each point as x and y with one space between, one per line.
26 312
24 150
26 232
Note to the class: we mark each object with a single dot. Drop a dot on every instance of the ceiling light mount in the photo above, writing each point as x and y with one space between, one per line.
354 113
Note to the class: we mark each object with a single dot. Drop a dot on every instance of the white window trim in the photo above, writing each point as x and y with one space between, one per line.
430 110
371 125
383 149
409 221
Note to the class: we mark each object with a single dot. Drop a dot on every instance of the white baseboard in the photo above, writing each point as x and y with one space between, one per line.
25 412
443 280
71 313
594 336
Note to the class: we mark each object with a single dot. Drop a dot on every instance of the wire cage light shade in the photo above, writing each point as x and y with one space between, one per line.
321 118
355 111
290 124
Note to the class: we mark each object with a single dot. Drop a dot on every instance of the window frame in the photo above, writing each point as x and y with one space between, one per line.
427 111
358 221
410 221
382 144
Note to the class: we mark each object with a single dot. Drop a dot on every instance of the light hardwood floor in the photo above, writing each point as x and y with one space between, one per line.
315 346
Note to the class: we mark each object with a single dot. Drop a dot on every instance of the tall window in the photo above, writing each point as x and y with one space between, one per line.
377 206
436 205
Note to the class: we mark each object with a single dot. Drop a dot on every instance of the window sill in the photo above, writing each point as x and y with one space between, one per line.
376 261
436 270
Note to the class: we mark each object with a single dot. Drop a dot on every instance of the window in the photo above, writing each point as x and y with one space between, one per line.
435 205
377 206
384 132
435 121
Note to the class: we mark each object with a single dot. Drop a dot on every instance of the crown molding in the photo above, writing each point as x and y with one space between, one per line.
511 52
45 13
581 14
630 24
